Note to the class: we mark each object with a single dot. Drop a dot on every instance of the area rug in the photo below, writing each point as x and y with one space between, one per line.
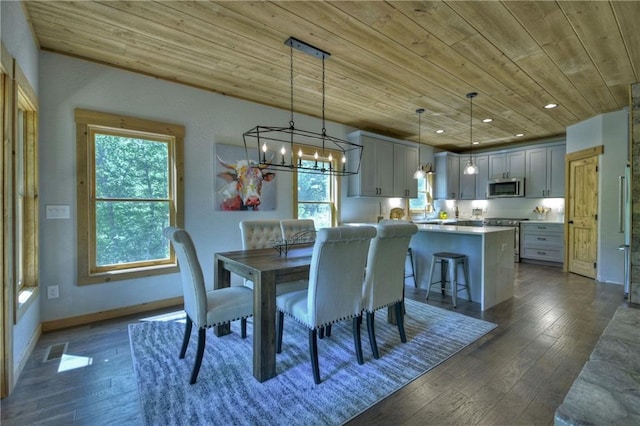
227 394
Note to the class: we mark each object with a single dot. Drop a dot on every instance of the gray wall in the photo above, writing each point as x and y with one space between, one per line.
612 131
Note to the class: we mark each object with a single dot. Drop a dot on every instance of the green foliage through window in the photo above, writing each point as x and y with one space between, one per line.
424 202
132 205
315 199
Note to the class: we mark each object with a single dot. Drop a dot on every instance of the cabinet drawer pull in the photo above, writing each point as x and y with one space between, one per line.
542 238
542 227
542 253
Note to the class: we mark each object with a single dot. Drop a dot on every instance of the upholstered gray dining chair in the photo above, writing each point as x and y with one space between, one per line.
384 277
335 288
205 308
260 234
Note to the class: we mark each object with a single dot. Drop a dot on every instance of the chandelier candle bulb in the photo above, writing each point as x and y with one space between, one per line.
283 151
300 157
264 152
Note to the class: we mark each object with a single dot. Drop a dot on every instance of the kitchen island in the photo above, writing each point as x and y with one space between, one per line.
490 252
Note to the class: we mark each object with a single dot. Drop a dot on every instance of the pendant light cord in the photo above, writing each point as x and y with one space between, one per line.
471 129
291 125
470 96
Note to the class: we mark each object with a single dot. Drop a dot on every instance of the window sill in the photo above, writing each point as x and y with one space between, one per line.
128 274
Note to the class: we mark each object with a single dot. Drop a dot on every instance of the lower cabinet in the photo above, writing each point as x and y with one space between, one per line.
542 241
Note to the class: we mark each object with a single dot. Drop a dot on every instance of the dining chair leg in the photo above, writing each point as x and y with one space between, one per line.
187 335
321 333
400 321
243 328
279 327
328 330
371 317
313 354
356 338
199 352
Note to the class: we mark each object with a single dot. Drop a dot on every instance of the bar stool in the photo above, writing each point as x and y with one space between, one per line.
452 260
413 271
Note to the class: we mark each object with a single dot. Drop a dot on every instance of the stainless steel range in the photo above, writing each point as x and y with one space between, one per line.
511 222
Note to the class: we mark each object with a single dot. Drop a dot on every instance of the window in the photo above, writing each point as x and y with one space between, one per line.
24 190
424 203
130 191
315 195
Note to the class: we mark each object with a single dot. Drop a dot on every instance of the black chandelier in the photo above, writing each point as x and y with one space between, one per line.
276 145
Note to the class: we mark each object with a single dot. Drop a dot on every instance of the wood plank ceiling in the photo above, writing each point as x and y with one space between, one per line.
387 58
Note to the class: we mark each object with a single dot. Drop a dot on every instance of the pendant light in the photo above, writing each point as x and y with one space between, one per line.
470 168
419 174
278 143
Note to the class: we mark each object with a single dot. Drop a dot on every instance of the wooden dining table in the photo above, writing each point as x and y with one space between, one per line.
266 268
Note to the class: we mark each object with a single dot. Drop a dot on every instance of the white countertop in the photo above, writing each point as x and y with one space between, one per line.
554 222
470 230
452 229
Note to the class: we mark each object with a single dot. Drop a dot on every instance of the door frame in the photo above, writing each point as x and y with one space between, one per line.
596 151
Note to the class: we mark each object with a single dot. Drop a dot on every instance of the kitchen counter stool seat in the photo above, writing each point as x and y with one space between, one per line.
449 268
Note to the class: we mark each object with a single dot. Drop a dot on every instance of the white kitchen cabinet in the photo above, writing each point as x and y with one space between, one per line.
545 171
542 241
556 170
507 164
405 163
447 180
467 182
482 178
386 168
474 187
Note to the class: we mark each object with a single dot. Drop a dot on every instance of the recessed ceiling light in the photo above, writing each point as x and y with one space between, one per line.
475 143
439 131
519 135
550 106
487 120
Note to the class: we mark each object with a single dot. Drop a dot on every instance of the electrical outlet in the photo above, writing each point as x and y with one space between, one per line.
52 292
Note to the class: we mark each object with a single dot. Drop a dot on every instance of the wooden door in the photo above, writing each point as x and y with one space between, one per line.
582 213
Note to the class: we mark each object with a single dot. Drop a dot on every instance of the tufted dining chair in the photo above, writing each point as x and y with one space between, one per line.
291 227
260 234
335 288
205 308
384 277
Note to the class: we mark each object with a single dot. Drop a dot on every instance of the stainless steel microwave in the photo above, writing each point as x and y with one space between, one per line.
506 187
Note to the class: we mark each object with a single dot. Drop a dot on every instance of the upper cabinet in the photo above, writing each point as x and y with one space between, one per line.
447 180
542 167
386 168
507 164
545 171
405 163
467 182
474 187
482 178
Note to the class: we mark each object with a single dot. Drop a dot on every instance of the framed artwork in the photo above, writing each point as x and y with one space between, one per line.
238 185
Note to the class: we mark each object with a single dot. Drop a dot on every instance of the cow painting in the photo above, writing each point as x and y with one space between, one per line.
243 184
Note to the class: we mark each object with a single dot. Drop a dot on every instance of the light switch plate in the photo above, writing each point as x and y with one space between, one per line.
57 211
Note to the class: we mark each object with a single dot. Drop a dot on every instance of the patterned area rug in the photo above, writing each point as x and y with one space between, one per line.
227 394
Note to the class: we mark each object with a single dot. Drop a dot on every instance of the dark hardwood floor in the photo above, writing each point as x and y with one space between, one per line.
517 374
